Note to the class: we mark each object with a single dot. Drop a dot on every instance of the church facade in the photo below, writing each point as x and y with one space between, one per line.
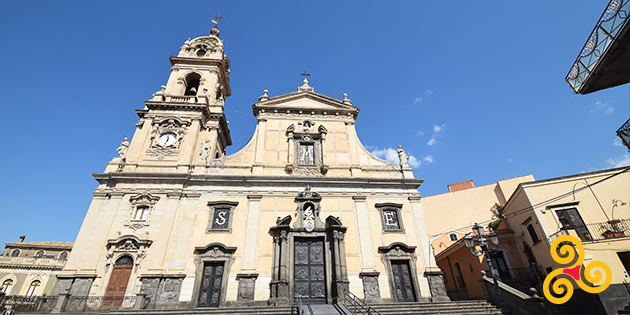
303 210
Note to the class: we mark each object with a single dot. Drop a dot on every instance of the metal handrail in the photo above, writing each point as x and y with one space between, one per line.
300 306
358 305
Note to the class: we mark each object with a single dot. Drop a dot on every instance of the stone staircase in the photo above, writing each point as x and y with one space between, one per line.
479 307
444 308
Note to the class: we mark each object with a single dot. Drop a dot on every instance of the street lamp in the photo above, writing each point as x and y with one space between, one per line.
469 241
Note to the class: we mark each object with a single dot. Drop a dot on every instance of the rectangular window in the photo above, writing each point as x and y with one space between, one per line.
532 233
307 156
390 220
221 219
460 276
571 219
141 213
391 217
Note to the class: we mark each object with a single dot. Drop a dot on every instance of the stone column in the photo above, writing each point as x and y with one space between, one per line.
250 242
259 153
279 284
341 275
366 246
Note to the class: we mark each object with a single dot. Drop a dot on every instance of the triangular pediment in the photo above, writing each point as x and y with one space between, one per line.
306 102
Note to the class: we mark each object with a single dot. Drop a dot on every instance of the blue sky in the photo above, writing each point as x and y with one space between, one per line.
471 89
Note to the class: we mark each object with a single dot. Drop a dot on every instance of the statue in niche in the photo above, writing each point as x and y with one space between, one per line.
205 151
402 156
122 149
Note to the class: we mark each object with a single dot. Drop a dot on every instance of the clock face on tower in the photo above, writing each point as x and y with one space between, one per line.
167 139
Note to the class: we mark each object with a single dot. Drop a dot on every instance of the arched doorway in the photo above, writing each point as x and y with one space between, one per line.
118 281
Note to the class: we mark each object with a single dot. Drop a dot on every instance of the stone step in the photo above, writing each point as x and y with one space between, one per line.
456 307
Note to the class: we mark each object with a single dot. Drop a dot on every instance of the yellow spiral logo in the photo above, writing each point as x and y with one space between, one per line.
567 250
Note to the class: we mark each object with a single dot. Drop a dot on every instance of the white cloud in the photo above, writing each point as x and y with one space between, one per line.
419 134
417 100
413 162
428 92
623 160
599 105
511 161
391 155
617 142
437 130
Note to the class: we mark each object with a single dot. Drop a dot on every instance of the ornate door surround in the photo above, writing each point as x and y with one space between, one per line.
213 254
307 228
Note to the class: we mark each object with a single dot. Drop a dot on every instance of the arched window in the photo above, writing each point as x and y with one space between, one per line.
192 84
32 289
453 237
15 253
6 286
124 261
63 256
39 254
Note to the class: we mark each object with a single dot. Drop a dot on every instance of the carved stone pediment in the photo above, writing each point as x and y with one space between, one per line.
215 250
127 245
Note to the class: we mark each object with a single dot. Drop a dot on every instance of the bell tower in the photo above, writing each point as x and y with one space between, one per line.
183 124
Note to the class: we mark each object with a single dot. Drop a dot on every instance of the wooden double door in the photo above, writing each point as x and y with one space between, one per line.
211 280
309 269
403 284
117 286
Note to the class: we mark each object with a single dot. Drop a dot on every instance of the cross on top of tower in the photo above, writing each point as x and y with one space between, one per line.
217 19
305 74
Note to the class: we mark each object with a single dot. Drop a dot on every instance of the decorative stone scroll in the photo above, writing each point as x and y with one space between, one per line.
127 245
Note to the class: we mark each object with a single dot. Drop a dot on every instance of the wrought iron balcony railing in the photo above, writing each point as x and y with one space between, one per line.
613 20
28 304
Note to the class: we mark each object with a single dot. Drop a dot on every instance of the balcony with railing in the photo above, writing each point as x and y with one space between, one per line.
72 304
603 41
596 231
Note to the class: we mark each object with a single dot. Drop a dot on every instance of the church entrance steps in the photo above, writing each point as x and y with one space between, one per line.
445 308
251 310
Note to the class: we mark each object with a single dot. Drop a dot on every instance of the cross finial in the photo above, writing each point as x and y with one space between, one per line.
218 19
305 74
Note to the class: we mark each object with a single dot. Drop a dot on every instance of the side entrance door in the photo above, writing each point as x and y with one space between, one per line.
402 281
210 292
118 281
309 276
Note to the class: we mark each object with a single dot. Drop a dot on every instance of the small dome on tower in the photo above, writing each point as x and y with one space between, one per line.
215 31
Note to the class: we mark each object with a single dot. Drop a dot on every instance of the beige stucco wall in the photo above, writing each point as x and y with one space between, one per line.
457 211
540 199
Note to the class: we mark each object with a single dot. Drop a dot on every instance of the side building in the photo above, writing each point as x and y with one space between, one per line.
302 210
30 268
591 206
451 215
